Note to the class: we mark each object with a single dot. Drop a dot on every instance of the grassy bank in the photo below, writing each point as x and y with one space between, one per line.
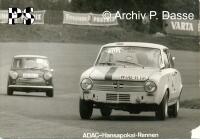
86 34
191 104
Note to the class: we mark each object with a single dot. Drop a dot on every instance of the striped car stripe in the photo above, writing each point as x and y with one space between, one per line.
110 72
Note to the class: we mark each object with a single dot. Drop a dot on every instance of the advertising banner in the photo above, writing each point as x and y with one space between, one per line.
88 19
38 15
182 27
3 16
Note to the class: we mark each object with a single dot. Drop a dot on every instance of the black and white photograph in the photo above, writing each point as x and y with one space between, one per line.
99 69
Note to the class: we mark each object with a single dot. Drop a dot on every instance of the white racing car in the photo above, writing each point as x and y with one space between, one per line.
133 77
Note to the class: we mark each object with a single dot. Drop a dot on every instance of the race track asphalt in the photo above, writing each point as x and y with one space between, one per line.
34 115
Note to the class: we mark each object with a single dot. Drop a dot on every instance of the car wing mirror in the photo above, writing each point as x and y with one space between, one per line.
173 58
173 61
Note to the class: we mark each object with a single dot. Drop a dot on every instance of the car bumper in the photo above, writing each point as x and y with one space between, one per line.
132 108
30 88
111 97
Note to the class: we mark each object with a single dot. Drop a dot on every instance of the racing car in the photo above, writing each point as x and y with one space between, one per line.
30 73
131 76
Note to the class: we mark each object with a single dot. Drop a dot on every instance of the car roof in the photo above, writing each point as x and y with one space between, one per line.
29 56
138 44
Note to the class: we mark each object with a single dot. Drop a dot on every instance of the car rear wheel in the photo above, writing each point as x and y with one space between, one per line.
85 109
173 110
9 92
162 111
105 112
49 93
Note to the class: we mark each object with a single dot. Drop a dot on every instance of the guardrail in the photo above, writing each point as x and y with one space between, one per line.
175 27
64 17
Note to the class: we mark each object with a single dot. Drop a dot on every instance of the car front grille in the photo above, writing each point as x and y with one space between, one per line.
118 97
112 97
119 86
36 82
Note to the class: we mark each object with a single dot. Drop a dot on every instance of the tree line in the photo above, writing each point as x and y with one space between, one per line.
98 6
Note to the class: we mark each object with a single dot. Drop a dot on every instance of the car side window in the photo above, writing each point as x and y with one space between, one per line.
17 63
170 60
166 61
169 57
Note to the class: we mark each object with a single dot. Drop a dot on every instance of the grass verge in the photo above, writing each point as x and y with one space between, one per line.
88 34
191 104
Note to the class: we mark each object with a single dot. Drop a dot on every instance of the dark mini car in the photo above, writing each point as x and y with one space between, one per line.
30 73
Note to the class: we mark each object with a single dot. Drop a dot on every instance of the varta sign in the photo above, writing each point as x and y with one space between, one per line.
182 27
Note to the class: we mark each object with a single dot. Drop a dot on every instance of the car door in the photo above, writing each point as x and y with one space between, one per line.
172 76
175 75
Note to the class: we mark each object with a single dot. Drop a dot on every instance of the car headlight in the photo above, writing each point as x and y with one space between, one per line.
150 86
13 75
47 75
86 84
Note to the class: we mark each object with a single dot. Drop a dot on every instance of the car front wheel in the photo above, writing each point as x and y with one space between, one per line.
173 110
9 92
49 93
162 111
85 109
105 112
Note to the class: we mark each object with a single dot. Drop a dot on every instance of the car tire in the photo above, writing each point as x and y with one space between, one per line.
173 110
50 93
9 92
105 112
85 109
162 110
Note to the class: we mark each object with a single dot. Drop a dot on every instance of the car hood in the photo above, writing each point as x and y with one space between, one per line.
121 73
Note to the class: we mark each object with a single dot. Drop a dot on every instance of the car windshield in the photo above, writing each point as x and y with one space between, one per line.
30 63
129 56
